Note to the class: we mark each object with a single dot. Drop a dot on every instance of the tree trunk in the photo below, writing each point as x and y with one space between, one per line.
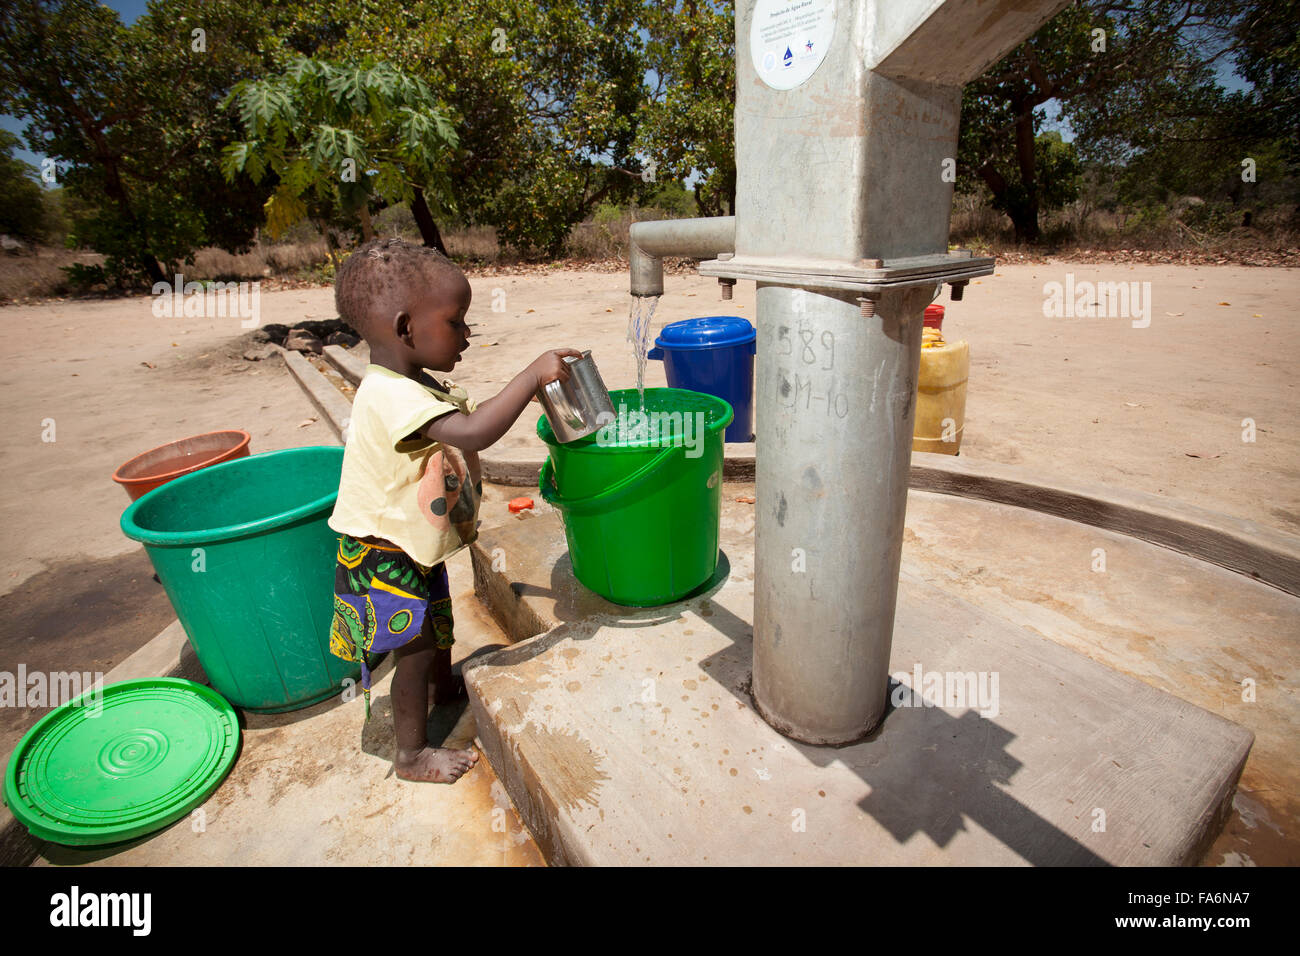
1023 208
367 227
1020 206
152 267
1024 217
424 220
330 244
115 189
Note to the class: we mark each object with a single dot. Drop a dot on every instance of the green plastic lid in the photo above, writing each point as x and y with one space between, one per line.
121 761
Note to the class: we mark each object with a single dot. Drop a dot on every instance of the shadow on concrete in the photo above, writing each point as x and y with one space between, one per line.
949 770
58 855
443 719
254 721
584 614
379 735
951 776
189 666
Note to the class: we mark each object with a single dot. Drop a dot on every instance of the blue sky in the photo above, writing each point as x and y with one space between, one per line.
130 11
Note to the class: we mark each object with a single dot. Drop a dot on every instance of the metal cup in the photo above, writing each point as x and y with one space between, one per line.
575 408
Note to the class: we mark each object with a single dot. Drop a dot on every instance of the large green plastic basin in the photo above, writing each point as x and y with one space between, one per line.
642 518
244 554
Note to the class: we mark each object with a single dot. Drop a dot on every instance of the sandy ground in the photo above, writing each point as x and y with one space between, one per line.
1091 399
1084 398
1087 399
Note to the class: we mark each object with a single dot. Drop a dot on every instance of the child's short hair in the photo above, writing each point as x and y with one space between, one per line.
377 278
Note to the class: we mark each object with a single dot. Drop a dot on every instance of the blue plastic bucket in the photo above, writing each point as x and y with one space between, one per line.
713 354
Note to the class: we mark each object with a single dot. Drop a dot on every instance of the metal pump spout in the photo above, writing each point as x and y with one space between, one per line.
698 238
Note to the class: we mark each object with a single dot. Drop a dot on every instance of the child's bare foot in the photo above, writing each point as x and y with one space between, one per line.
434 764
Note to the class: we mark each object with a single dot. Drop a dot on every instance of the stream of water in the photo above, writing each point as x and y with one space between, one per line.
639 318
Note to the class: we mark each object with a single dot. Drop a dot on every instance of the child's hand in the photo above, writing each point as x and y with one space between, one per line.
551 367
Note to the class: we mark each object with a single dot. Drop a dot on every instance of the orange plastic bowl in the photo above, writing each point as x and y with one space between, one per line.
157 466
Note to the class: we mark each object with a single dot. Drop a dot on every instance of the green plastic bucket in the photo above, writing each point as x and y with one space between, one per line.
244 554
642 513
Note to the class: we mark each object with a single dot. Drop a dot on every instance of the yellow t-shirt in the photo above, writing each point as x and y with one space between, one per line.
382 470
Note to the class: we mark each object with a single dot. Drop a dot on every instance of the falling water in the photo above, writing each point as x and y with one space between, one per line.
639 317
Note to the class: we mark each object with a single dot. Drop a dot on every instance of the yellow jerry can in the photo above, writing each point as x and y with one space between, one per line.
941 395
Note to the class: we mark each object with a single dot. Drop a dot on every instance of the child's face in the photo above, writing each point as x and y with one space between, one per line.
438 333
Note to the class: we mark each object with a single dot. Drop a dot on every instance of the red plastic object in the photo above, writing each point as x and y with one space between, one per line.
157 466
934 317
519 504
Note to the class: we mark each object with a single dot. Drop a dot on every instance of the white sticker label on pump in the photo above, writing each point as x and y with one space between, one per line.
788 39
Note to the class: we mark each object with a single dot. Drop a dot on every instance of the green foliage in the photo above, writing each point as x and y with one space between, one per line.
688 127
532 115
606 214
337 135
545 98
23 212
522 114
539 216
674 199
84 277
581 73
326 271
1211 217
1135 81
128 114
1059 172
1268 57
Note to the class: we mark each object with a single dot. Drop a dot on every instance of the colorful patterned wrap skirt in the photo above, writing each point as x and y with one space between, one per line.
381 599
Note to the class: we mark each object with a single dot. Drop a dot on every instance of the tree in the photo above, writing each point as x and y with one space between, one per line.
1128 77
544 95
545 99
128 114
338 135
582 69
22 204
459 50
688 129
1267 55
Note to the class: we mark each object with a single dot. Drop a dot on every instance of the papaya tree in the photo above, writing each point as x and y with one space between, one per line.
337 136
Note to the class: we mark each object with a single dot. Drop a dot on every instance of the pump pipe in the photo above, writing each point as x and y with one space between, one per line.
651 241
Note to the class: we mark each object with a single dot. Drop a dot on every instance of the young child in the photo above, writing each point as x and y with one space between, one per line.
410 489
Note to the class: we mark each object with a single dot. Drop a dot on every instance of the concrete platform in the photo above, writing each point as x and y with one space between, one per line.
315 787
629 736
